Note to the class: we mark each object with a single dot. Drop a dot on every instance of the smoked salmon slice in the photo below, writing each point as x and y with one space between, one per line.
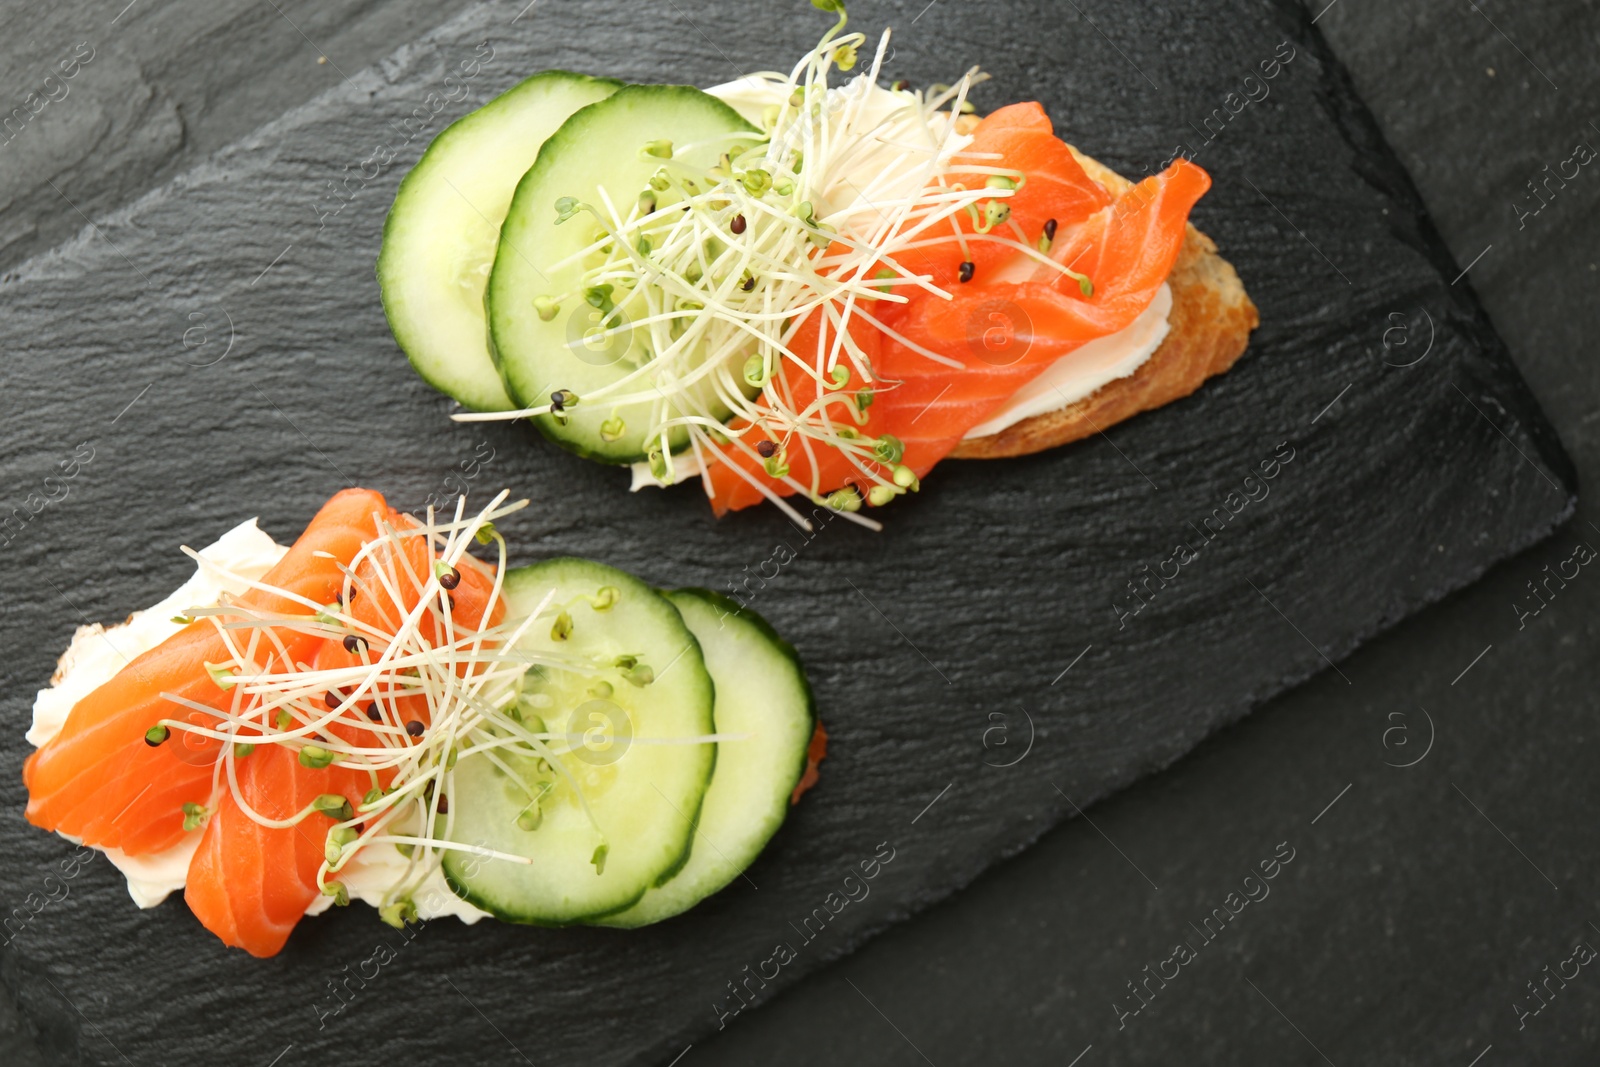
99 781
390 580
1021 139
388 571
251 884
1004 332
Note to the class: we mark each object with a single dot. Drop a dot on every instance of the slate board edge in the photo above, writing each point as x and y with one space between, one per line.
1381 622
1360 130
1352 116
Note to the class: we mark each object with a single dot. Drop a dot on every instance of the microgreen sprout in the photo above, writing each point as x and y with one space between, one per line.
334 806
566 208
561 629
220 675
398 913
737 250
339 838
418 655
995 212
846 499
755 371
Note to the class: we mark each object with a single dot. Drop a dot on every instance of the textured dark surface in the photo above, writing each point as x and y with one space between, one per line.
1000 574
167 83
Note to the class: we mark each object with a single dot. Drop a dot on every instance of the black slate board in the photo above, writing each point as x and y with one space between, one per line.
997 577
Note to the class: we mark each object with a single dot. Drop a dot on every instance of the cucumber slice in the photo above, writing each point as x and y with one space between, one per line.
644 797
440 238
596 157
760 690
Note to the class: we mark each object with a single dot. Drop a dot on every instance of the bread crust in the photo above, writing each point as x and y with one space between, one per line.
1211 320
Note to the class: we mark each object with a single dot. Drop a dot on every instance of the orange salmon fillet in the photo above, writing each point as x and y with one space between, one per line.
1003 328
98 780
251 884
1055 187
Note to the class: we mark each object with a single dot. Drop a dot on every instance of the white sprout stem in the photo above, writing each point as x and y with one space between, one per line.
722 267
468 679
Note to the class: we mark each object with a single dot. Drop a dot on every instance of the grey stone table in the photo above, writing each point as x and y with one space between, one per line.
1447 859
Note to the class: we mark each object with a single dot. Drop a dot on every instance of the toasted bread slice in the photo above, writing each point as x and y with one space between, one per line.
1211 320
